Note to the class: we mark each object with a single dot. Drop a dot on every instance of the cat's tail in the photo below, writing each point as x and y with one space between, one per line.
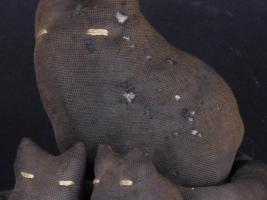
248 182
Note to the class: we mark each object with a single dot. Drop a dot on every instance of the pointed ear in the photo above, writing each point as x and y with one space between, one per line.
70 165
28 150
105 159
75 155
135 155
28 155
49 10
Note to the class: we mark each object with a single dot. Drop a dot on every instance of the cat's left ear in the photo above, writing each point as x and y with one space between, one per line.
74 159
28 156
106 159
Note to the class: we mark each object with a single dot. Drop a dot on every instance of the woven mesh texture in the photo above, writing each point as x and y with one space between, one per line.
248 182
144 182
130 89
40 175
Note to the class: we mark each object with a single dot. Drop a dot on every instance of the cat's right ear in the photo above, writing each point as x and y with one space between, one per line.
76 158
28 155
48 11
106 158
29 148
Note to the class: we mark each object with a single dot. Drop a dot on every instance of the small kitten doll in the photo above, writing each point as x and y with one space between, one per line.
40 176
134 177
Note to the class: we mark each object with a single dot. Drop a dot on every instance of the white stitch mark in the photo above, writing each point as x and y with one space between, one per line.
148 57
177 97
126 182
133 46
196 133
191 116
170 61
97 32
66 183
121 18
129 96
96 181
126 38
42 32
146 153
193 113
175 134
27 175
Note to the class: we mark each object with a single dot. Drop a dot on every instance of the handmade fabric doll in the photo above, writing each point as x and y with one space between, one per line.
134 177
131 177
106 76
42 176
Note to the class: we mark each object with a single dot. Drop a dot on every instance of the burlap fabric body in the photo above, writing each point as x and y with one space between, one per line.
134 177
106 76
42 176
131 177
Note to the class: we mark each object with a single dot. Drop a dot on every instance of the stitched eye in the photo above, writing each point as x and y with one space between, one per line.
42 32
27 175
126 182
96 181
66 183
97 32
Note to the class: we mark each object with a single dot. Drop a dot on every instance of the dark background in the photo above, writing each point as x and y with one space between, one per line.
229 35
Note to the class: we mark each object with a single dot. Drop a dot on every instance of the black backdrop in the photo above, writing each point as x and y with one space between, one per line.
229 35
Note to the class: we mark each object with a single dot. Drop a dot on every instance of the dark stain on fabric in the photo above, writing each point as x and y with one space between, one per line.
188 115
148 112
128 87
89 44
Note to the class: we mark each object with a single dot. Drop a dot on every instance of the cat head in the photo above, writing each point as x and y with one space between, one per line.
131 177
42 176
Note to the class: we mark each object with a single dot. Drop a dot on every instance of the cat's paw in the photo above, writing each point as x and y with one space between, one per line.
248 182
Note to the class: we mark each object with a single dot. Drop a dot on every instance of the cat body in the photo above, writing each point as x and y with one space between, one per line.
106 76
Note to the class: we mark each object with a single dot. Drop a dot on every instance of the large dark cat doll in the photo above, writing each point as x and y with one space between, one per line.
107 76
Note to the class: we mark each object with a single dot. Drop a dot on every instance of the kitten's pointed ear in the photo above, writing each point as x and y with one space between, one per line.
72 163
28 155
29 150
77 153
105 158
